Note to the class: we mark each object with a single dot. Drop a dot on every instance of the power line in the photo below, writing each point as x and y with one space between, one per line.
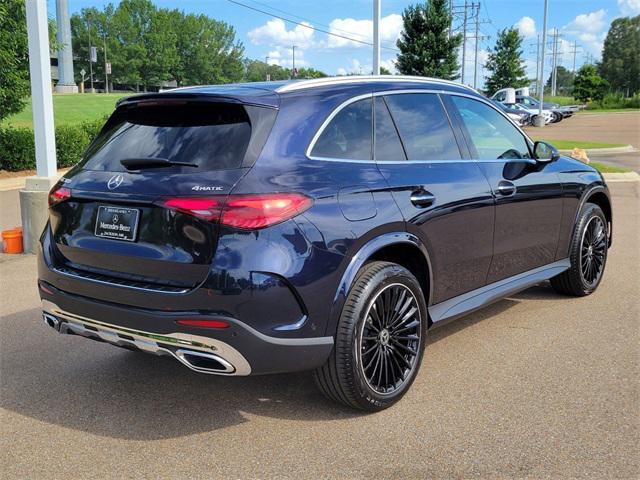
314 22
311 27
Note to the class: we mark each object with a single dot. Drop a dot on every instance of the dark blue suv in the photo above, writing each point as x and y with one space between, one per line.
320 225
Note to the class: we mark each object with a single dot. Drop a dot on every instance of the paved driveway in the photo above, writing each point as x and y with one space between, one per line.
622 127
535 386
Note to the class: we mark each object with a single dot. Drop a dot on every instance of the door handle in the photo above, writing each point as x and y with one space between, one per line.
422 198
506 188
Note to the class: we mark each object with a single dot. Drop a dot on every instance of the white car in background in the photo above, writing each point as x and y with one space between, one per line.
547 114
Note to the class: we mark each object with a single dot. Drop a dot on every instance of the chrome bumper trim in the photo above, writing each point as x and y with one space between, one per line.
173 344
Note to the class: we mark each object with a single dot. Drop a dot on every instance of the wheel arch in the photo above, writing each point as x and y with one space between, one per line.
599 195
402 248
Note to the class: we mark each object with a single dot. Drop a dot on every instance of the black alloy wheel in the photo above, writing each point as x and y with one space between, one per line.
389 339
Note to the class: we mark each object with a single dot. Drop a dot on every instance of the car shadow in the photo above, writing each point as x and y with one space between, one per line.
112 392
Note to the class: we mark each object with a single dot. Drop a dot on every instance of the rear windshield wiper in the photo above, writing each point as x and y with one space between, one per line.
152 162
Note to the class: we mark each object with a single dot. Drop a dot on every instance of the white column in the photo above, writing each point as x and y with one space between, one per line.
376 37
66 80
41 98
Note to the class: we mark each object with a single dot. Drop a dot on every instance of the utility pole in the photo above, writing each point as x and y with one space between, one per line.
376 37
268 75
293 62
554 59
539 119
464 41
537 64
575 51
477 41
451 14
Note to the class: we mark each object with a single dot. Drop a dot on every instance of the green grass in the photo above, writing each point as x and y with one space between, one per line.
71 109
571 144
603 168
561 100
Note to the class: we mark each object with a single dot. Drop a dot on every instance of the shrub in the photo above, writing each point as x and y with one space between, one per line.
17 149
71 141
616 100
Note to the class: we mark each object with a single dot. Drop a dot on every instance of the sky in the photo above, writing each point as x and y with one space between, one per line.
584 22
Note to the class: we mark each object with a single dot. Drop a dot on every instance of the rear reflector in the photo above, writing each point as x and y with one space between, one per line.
248 212
58 194
204 323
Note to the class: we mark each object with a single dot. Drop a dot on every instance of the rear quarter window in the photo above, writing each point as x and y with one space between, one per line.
213 136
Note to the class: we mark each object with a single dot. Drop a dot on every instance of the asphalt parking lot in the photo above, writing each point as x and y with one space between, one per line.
535 386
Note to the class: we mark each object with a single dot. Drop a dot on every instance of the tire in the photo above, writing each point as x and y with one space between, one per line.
351 375
587 264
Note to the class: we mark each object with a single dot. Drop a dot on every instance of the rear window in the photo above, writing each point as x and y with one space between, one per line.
213 136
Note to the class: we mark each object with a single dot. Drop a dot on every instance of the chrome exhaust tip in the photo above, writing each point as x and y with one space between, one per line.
204 362
51 321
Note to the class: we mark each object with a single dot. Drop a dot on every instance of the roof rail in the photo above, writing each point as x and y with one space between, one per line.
321 82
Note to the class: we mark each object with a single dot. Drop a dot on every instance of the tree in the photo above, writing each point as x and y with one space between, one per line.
14 57
384 71
308 72
425 46
207 52
588 85
505 62
148 46
564 80
621 55
256 71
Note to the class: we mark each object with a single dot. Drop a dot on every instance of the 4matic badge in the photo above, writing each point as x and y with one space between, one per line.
206 188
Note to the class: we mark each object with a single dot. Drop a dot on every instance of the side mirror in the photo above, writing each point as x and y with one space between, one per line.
545 152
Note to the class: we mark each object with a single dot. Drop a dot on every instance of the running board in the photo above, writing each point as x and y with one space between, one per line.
455 307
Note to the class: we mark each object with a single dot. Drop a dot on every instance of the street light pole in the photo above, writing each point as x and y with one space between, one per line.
540 119
90 56
106 75
376 37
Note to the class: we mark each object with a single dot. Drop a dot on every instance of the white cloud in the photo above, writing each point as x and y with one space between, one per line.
593 22
629 7
389 65
283 57
390 28
527 27
275 33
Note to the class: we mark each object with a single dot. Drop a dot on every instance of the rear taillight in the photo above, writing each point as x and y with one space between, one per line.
59 194
248 212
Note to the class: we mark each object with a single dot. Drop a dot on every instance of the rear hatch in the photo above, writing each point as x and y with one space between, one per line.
109 215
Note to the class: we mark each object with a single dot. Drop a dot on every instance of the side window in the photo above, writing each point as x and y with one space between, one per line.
492 135
348 135
424 127
501 97
387 142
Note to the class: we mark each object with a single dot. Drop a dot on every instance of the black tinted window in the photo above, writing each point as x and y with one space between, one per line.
387 142
212 136
492 135
424 126
348 135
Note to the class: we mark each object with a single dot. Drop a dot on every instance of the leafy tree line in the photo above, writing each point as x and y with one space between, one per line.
147 45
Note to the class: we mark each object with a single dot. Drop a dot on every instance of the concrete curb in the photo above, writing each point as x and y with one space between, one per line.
621 177
18 183
604 151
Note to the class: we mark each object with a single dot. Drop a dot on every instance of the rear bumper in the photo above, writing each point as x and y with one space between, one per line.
237 350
